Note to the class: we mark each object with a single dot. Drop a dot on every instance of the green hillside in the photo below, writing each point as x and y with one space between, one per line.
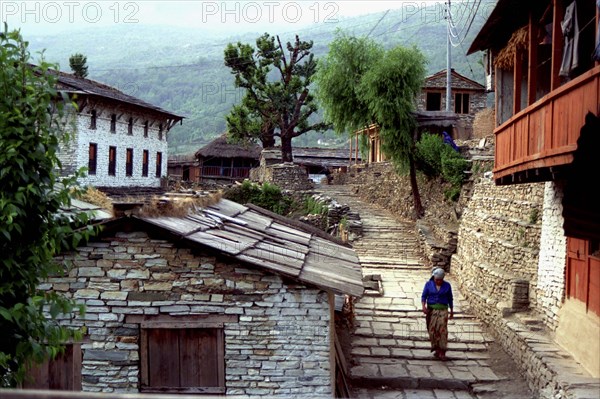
181 69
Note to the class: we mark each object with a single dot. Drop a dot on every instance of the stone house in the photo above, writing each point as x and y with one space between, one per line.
120 139
546 144
230 300
468 98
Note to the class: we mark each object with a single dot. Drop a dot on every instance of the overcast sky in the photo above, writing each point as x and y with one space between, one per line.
48 17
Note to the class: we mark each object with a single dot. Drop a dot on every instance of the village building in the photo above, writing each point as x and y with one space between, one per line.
468 98
120 139
229 300
221 160
183 168
540 61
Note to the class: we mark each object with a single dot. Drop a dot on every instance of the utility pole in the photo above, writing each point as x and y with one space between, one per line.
448 62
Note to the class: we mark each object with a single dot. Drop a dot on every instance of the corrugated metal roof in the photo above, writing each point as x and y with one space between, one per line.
258 237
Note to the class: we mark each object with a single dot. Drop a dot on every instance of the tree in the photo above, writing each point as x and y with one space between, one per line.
360 83
338 78
32 230
278 99
78 64
242 125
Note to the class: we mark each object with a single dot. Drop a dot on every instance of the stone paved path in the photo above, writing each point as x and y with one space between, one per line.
390 347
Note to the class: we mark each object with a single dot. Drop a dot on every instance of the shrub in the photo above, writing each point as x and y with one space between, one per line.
314 207
453 169
267 196
428 155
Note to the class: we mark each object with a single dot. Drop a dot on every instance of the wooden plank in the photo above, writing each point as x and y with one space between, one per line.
290 230
285 251
144 375
330 270
518 81
268 264
211 320
190 358
220 346
163 362
533 60
284 235
320 246
218 242
77 360
209 358
594 291
177 225
267 255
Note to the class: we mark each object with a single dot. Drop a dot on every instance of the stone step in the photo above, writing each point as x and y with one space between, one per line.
431 374
384 392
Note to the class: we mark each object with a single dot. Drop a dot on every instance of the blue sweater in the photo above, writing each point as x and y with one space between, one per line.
432 296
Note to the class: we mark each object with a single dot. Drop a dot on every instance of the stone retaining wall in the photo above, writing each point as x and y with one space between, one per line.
287 176
279 345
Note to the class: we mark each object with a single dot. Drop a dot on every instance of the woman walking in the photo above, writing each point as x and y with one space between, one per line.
437 300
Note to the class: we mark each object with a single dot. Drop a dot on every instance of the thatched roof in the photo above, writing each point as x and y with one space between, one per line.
220 148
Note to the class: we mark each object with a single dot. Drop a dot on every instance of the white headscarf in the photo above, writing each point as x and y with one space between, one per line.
438 273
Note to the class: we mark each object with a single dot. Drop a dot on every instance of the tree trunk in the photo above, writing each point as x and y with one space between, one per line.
419 211
267 138
286 149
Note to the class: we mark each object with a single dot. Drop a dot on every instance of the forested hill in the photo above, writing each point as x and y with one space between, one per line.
181 69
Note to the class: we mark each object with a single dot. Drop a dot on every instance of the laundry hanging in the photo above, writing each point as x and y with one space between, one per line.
570 30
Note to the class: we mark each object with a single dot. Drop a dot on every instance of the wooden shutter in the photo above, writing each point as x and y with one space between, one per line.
62 373
183 360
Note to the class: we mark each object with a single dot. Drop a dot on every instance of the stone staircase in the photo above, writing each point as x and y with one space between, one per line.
390 347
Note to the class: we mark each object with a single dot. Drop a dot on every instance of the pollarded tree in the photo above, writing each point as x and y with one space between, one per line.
32 230
359 83
277 84
78 64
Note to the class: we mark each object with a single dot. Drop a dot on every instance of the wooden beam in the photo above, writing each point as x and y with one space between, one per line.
518 81
533 61
557 43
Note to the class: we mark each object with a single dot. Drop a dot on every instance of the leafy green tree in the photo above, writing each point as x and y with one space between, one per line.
277 84
338 79
78 64
32 230
382 88
244 125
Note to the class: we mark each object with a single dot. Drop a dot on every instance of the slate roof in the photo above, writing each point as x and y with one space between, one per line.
95 213
271 242
71 84
220 148
430 81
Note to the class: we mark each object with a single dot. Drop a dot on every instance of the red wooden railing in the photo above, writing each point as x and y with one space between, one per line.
545 133
226 172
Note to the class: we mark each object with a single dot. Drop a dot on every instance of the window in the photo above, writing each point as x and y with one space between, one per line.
434 102
461 103
160 131
130 127
61 373
129 162
112 161
183 360
93 120
113 123
145 163
93 158
146 129
158 164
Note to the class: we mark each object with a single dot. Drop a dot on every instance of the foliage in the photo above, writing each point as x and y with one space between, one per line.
32 231
277 100
314 207
534 216
453 168
78 64
436 158
339 76
376 87
267 196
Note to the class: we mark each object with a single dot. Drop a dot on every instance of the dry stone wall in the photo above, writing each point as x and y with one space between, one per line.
279 345
498 247
286 176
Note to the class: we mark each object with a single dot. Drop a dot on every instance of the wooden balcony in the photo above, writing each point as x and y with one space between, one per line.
536 143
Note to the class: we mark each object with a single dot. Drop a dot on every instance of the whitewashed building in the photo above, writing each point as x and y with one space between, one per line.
120 139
